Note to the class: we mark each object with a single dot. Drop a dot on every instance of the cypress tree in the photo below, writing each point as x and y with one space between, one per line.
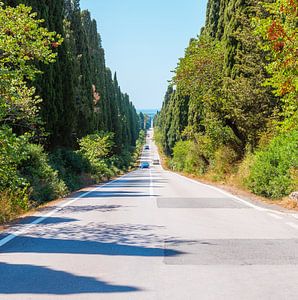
78 91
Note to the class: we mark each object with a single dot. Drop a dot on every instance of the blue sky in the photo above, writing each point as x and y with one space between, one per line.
143 40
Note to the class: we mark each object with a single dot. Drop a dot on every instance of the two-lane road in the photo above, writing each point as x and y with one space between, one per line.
151 234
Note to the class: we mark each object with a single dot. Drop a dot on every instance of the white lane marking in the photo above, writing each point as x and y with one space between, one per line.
25 229
274 216
151 185
237 198
225 193
35 222
292 225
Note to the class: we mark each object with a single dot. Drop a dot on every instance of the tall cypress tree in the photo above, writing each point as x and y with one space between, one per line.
79 94
236 100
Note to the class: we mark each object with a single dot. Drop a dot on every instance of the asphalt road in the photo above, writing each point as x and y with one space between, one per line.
151 234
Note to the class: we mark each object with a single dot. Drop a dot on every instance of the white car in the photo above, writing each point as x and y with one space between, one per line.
155 161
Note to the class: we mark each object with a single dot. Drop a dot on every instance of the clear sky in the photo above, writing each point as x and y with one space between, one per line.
143 40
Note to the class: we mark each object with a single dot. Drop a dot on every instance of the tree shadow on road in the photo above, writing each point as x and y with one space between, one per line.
29 279
115 194
70 246
106 208
95 238
89 239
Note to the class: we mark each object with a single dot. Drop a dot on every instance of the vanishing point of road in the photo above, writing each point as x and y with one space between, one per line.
151 234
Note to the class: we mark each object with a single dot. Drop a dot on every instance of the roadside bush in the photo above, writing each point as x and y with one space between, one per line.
240 177
180 152
73 168
141 139
188 157
101 170
43 179
124 160
27 172
14 194
224 161
93 162
12 152
274 171
13 203
96 148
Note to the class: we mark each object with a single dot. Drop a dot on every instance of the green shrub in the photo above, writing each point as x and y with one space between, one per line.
93 162
242 174
14 193
101 170
223 161
26 171
180 152
12 152
188 157
122 161
13 203
97 148
71 166
274 168
43 179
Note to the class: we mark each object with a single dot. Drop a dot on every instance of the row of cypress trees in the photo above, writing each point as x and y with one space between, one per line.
80 94
64 121
244 105
233 93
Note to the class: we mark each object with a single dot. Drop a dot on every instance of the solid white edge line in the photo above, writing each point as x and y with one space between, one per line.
293 225
151 185
274 216
26 227
237 198
224 193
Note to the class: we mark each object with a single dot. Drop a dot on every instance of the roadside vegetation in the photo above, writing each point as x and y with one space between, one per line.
230 112
64 122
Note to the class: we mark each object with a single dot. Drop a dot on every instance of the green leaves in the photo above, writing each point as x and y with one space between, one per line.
12 153
96 146
23 41
79 97
274 171
278 28
44 181
200 71
236 80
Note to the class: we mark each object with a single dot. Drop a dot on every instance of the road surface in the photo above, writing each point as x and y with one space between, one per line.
151 234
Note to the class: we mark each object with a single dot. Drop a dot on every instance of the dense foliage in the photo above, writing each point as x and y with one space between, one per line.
279 31
275 169
233 92
64 121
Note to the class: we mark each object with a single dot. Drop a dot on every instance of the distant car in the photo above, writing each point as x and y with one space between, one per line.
155 161
146 147
144 165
